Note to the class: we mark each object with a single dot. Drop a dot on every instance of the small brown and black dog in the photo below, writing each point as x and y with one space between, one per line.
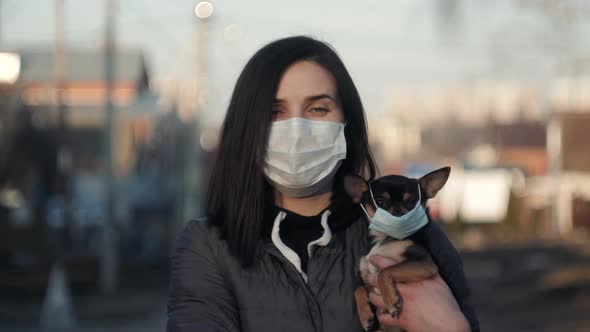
397 195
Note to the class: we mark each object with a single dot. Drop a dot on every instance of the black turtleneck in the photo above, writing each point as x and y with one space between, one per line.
297 231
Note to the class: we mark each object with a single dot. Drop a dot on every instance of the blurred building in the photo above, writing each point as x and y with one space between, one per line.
496 125
8 106
83 92
575 141
522 145
53 156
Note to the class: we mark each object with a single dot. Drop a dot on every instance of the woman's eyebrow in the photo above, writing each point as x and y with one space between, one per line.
310 98
320 96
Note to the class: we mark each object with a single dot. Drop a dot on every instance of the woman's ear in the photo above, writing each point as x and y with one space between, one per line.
355 186
433 182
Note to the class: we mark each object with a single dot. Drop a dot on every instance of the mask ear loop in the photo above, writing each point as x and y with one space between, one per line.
419 193
365 211
372 197
374 202
419 196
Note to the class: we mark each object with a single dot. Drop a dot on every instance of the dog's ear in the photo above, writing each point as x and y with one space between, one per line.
355 186
432 182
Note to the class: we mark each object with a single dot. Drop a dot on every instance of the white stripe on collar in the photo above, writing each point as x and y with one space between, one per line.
326 237
291 255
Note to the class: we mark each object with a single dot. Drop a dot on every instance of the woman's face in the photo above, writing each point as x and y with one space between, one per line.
307 90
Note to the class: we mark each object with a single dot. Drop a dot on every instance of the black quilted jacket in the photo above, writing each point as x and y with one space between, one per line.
209 290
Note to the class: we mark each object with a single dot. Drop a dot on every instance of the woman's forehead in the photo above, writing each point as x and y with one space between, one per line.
306 79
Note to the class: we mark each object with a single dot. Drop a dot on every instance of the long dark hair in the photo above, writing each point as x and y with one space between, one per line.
238 191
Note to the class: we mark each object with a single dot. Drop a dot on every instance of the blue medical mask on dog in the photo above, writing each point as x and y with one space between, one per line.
398 227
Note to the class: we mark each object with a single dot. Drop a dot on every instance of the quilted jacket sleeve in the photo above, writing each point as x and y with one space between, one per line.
199 298
450 267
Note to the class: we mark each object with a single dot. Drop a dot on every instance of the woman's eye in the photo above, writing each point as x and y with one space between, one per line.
319 110
276 113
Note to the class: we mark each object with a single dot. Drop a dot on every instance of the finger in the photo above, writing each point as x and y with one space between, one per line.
372 279
377 300
388 320
381 262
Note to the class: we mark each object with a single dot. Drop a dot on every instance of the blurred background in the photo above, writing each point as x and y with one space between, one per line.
109 119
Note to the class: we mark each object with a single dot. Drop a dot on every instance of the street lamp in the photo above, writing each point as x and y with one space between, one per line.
10 66
204 9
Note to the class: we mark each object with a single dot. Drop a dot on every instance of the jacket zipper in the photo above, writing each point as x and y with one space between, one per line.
290 269
315 301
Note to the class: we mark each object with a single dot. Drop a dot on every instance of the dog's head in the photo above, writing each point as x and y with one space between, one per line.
395 194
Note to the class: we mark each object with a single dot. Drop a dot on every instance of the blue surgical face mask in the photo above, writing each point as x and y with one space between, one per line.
398 227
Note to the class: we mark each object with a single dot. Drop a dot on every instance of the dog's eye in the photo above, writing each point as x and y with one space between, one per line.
382 203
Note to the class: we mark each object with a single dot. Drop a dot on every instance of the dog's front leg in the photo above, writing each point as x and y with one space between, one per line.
402 272
363 307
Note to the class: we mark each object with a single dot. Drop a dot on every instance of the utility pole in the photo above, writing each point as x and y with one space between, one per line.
554 153
193 198
109 252
64 156
1 23
188 205
204 12
57 311
59 52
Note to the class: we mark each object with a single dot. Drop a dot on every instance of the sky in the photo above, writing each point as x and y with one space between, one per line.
386 45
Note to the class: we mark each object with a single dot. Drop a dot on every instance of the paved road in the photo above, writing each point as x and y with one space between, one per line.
530 288
132 311
157 323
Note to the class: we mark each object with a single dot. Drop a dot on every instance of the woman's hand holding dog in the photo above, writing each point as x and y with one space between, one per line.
428 305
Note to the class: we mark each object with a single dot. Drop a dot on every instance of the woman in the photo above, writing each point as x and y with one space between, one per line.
280 246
